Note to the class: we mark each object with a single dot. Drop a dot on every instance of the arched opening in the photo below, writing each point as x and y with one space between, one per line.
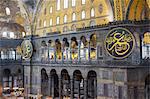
58 49
66 87
78 85
54 84
83 48
92 85
92 23
93 46
44 83
44 51
51 50
66 52
146 46
7 82
147 87
18 83
74 48
73 27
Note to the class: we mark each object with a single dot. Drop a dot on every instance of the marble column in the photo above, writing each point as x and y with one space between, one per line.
85 88
60 88
70 50
95 88
52 87
79 46
71 81
49 85
62 52
55 56
89 51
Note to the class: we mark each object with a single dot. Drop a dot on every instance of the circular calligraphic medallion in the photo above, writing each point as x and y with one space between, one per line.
26 49
119 43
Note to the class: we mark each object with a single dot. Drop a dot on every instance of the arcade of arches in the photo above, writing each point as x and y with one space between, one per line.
73 50
68 86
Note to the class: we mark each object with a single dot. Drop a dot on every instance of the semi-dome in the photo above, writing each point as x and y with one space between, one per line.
11 30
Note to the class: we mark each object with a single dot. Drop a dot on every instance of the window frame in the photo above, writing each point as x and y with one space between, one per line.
83 14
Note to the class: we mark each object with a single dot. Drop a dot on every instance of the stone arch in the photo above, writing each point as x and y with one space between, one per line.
51 49
44 82
65 48
92 23
7 81
58 49
54 84
43 43
73 27
78 84
93 45
65 82
92 84
83 48
74 48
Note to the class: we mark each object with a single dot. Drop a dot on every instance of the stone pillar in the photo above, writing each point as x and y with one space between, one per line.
52 88
95 88
60 89
98 44
62 52
49 85
79 46
55 57
71 81
15 54
48 52
85 88
70 51
89 50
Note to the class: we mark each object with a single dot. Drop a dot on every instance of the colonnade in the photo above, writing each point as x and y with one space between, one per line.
65 86
12 83
72 50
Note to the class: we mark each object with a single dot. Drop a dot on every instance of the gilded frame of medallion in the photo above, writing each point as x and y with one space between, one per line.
24 43
132 35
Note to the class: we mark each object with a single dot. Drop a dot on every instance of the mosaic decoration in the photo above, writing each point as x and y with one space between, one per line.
119 43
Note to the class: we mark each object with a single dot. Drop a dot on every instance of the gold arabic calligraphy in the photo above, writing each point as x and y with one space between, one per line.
119 42
26 49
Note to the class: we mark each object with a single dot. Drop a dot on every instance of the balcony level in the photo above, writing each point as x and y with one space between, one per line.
86 47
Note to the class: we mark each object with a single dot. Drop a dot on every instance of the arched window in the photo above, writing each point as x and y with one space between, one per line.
83 15
58 5
83 1
92 23
51 9
57 20
73 27
73 3
92 12
44 23
73 17
146 45
66 3
4 34
7 11
65 28
65 19
11 35
51 22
